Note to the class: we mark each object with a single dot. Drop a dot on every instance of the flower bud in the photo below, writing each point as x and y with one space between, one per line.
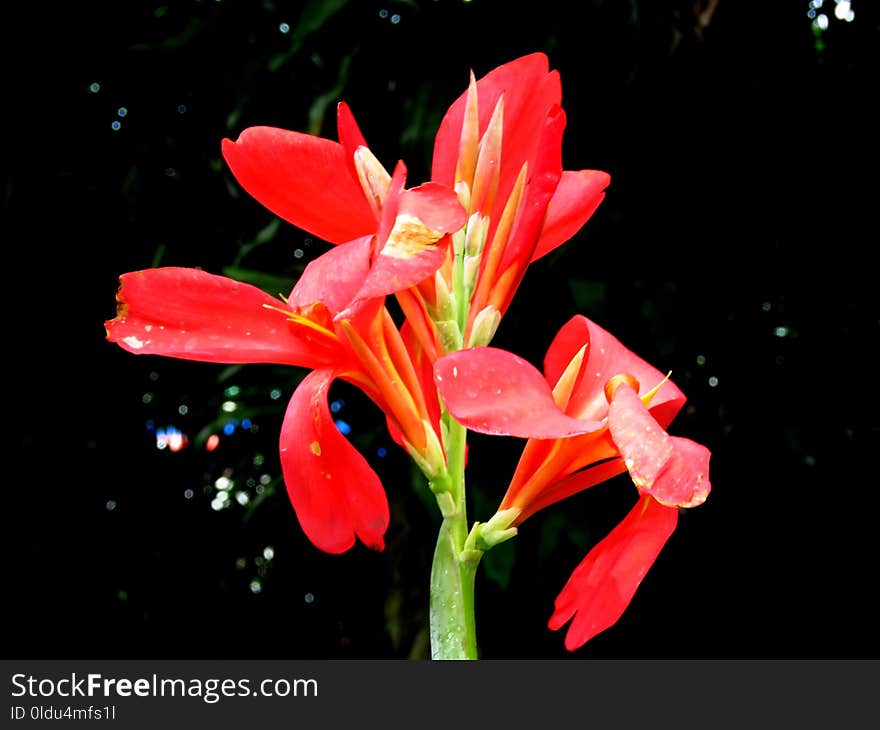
431 459
485 324
374 178
445 305
477 228
450 335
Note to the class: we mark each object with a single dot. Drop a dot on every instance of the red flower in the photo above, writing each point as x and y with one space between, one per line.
500 146
585 422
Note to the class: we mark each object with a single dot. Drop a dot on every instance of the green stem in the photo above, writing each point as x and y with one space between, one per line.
452 621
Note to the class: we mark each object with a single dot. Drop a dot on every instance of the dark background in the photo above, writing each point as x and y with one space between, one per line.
735 248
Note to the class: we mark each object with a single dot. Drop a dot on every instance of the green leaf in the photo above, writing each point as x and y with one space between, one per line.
228 372
318 109
158 254
269 283
264 235
193 28
313 17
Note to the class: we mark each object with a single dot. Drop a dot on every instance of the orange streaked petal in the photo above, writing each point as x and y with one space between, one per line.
498 237
397 401
571 485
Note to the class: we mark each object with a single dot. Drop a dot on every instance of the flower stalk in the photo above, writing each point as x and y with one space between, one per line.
452 620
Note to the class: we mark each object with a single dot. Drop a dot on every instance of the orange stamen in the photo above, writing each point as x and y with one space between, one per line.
416 313
305 321
397 398
532 472
495 250
402 363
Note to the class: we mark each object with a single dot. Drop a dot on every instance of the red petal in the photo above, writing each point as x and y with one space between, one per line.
334 277
684 480
391 274
350 136
391 205
336 495
605 357
544 174
436 205
493 391
193 315
576 198
674 471
603 585
416 245
304 179
525 115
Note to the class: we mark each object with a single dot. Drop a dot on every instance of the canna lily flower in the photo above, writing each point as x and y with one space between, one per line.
597 411
500 147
